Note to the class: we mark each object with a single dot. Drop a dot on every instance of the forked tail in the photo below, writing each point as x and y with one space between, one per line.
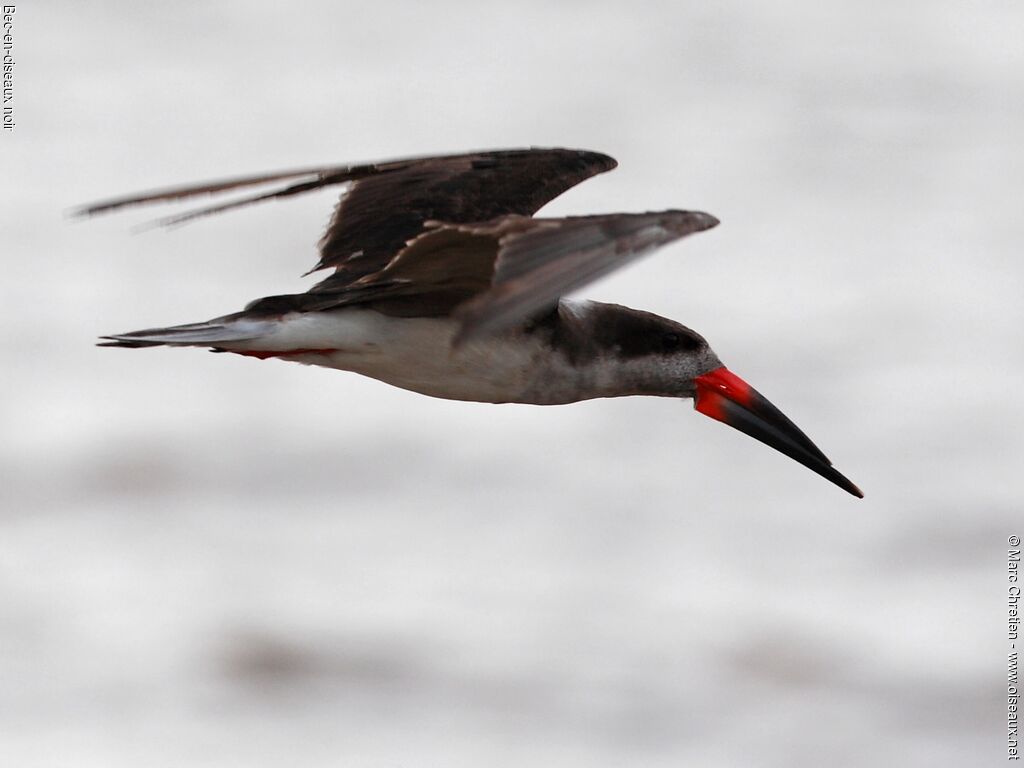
208 334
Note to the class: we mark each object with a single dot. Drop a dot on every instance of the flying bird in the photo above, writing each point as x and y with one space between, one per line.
446 284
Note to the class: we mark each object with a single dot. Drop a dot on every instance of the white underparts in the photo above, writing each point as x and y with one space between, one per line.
416 354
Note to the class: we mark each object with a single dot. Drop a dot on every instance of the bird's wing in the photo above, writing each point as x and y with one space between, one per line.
495 275
547 258
387 203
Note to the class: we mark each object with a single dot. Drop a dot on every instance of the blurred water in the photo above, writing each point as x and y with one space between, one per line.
211 561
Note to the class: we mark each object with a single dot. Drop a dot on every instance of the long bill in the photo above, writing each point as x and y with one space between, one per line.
726 397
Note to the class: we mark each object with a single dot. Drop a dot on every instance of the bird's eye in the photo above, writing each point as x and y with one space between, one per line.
670 341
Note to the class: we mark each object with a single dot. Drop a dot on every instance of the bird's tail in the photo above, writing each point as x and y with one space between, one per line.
209 334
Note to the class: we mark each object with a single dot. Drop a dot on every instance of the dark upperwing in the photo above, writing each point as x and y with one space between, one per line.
388 203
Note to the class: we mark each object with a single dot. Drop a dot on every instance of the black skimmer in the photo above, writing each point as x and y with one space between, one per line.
445 284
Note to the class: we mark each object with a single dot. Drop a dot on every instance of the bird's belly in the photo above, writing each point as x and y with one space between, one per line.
416 354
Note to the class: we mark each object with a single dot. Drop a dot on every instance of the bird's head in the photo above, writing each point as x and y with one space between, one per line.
639 353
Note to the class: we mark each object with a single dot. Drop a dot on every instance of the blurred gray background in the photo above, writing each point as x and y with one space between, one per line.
208 560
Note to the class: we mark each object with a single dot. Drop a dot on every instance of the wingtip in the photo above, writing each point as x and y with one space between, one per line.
590 157
702 221
691 221
709 221
81 212
606 162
